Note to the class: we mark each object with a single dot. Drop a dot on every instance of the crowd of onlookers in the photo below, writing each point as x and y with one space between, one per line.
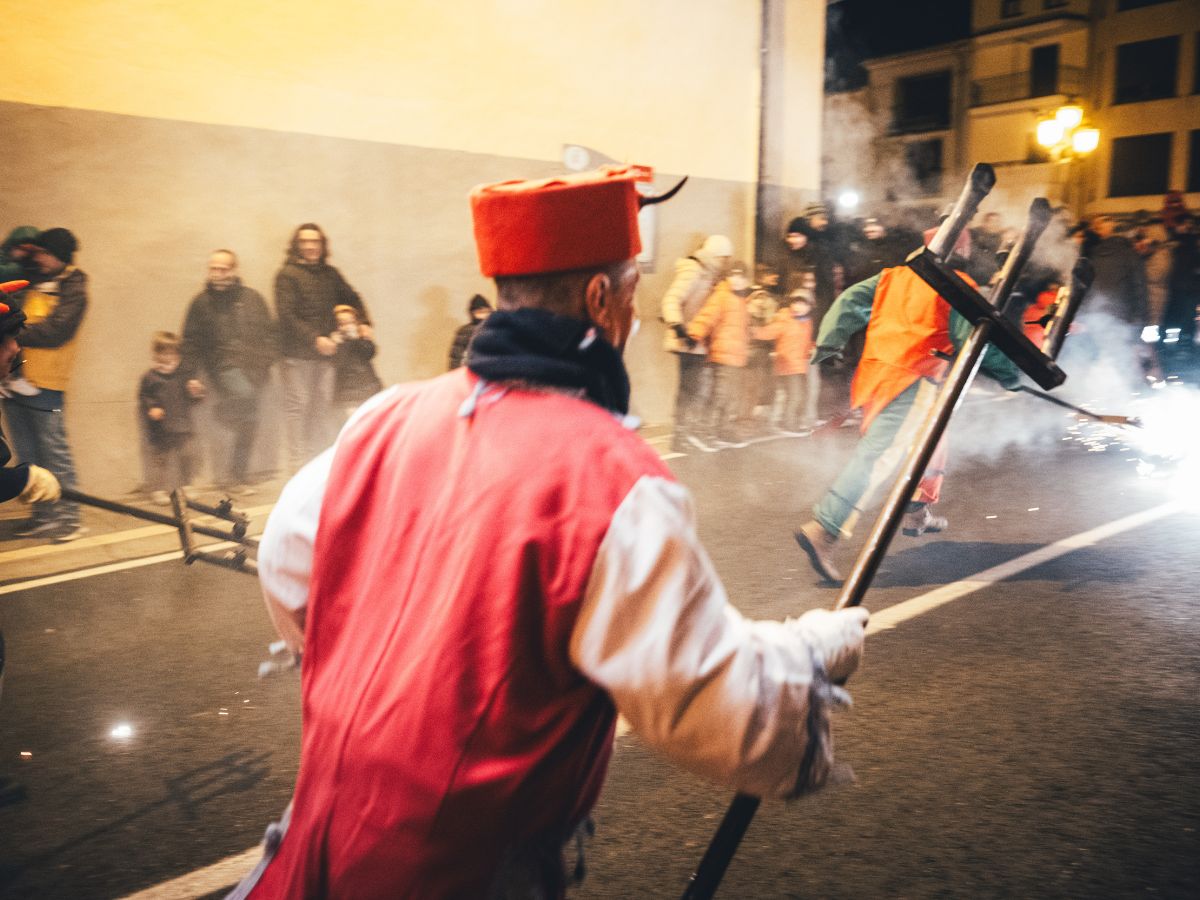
743 337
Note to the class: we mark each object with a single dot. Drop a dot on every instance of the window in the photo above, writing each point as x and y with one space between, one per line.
1193 182
1123 5
922 103
924 162
1010 8
1146 70
1140 165
1043 71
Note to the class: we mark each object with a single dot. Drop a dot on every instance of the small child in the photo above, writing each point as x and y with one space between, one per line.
165 413
355 377
792 332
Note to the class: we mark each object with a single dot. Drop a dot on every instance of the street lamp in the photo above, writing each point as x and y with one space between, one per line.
1067 138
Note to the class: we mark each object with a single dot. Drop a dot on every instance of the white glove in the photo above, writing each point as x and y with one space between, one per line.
42 487
836 638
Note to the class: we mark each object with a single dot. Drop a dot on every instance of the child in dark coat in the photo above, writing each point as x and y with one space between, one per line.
165 413
355 378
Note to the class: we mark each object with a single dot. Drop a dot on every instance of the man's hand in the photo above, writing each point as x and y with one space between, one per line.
837 638
820 354
42 487
681 333
156 414
325 346
195 387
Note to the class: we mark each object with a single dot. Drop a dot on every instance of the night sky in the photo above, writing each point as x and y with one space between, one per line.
861 29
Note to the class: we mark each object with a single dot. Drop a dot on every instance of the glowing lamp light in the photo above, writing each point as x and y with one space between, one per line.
1085 140
848 199
1069 117
1050 132
122 732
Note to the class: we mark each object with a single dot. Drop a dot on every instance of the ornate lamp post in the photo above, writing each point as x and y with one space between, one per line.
1067 138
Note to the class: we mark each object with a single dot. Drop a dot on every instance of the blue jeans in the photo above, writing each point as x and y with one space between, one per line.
307 408
39 432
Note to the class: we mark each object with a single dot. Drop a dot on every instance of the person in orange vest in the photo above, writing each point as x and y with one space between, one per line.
910 332
792 332
489 565
1033 321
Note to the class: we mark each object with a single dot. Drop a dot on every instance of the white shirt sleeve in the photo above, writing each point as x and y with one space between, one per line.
742 702
286 546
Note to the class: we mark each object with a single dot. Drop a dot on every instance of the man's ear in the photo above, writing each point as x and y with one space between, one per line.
597 300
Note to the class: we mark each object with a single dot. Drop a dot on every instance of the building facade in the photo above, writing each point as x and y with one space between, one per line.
1132 65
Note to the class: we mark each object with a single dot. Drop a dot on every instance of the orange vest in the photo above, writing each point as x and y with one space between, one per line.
909 322
1036 310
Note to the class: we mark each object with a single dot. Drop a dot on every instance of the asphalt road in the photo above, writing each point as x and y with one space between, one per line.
1035 738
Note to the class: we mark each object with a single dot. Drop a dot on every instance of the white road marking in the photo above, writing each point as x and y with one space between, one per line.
223 873
910 609
228 871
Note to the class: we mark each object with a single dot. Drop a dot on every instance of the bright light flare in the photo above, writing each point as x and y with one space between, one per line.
1168 446
1085 140
1069 116
121 732
1050 132
849 199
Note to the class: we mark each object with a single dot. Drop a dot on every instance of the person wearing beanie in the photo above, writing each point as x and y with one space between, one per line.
307 288
478 309
488 566
910 332
54 307
812 246
696 279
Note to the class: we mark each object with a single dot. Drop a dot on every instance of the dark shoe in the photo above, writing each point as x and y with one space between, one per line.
64 534
918 523
37 530
818 544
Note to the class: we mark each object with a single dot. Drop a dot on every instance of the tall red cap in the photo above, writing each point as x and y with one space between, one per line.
560 223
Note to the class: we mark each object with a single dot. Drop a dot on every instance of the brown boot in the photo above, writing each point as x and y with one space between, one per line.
818 544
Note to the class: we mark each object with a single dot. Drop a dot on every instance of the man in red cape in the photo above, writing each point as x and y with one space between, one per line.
488 566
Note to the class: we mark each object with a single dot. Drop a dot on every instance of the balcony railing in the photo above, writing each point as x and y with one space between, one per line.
1021 86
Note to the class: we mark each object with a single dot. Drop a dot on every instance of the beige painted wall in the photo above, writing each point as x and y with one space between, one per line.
159 130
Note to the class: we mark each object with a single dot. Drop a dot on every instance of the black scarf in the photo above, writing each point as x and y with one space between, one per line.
538 347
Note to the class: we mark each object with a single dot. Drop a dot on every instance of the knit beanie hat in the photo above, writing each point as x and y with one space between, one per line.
478 302
796 226
816 209
58 242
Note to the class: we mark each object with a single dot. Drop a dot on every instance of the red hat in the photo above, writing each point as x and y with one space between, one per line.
560 223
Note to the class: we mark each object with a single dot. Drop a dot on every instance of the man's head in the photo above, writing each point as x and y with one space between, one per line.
992 223
479 309
1103 225
53 250
565 245
873 229
222 269
817 215
795 235
166 351
309 245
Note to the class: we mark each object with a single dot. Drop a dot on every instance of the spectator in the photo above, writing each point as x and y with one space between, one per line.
1115 308
1153 244
165 400
356 379
723 323
477 310
761 305
1173 207
307 289
812 246
459 710
54 307
15 255
696 277
791 332
1183 286
877 247
986 239
230 342
28 483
